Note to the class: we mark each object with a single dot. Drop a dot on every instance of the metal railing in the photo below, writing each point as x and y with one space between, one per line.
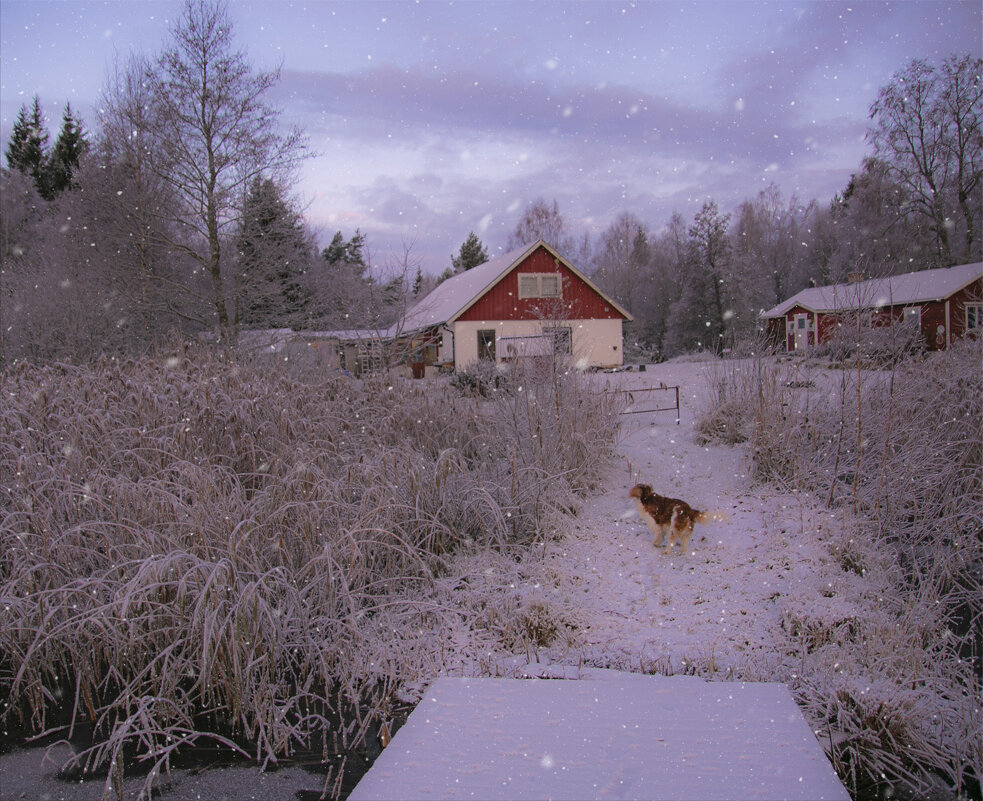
638 400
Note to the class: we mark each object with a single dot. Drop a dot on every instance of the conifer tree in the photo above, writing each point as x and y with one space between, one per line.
70 146
273 256
472 254
342 252
28 145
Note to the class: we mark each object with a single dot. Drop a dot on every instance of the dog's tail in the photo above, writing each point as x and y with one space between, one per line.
711 517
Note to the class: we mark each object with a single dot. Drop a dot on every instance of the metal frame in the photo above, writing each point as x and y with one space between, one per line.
646 392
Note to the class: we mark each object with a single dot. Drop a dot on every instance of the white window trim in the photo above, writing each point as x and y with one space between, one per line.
979 316
539 285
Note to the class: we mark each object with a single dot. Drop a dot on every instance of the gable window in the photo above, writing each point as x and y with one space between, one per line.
974 316
540 285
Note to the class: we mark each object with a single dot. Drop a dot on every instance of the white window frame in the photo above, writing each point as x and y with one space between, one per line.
974 316
541 285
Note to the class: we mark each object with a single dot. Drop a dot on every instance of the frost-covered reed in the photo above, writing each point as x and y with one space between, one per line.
892 689
197 549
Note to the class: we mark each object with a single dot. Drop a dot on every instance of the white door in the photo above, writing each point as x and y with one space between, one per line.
801 322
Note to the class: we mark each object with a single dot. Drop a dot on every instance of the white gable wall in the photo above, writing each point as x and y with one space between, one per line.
595 343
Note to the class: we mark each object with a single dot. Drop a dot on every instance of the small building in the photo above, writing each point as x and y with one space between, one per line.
946 304
352 351
523 304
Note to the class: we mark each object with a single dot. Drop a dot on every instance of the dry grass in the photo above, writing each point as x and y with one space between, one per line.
195 549
895 683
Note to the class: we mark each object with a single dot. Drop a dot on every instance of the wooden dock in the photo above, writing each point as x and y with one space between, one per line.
618 736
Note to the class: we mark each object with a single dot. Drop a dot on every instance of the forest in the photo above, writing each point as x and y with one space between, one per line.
175 215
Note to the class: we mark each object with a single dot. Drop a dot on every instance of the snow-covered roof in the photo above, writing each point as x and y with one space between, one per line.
275 340
895 290
457 294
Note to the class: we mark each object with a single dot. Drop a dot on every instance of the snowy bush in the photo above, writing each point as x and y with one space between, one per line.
481 378
193 549
881 345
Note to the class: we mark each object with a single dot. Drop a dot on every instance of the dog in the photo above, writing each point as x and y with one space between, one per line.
669 519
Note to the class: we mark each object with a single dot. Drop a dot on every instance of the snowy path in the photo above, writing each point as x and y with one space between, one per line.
718 607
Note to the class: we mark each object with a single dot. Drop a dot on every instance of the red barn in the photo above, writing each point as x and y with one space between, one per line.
530 302
946 304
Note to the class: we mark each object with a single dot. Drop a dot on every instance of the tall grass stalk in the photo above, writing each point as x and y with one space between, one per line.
196 549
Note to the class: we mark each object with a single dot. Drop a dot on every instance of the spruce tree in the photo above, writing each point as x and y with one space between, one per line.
69 148
27 148
342 252
472 254
273 257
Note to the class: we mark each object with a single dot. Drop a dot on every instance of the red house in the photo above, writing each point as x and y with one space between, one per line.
946 304
527 303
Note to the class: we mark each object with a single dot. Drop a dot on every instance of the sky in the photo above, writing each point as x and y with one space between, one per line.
428 120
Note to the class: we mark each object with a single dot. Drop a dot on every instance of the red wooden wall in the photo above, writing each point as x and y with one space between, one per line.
502 302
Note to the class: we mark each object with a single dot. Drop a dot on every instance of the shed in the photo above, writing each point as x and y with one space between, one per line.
946 304
517 299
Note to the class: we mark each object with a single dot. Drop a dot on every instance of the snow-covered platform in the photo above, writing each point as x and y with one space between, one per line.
608 735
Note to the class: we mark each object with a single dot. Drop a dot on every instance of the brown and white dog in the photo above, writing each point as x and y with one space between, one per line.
668 516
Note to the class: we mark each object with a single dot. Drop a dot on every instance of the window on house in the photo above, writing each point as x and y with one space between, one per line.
913 315
974 316
540 285
562 339
486 345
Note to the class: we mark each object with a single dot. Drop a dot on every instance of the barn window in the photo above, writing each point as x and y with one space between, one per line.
913 315
540 285
974 316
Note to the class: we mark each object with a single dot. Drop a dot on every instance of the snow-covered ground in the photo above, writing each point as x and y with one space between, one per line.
718 608
716 611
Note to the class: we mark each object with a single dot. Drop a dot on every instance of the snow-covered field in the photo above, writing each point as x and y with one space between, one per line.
725 610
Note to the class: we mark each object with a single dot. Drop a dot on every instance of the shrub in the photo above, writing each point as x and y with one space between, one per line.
481 379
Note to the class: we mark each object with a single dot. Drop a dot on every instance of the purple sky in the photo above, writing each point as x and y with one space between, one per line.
432 119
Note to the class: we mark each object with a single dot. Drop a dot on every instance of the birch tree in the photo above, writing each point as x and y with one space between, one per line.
214 134
927 130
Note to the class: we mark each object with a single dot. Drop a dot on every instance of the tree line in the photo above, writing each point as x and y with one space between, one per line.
914 204
176 218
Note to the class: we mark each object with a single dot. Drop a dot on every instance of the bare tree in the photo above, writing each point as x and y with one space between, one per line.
874 227
767 246
214 133
138 207
541 221
926 130
623 260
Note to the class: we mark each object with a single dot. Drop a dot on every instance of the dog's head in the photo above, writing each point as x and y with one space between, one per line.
640 491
